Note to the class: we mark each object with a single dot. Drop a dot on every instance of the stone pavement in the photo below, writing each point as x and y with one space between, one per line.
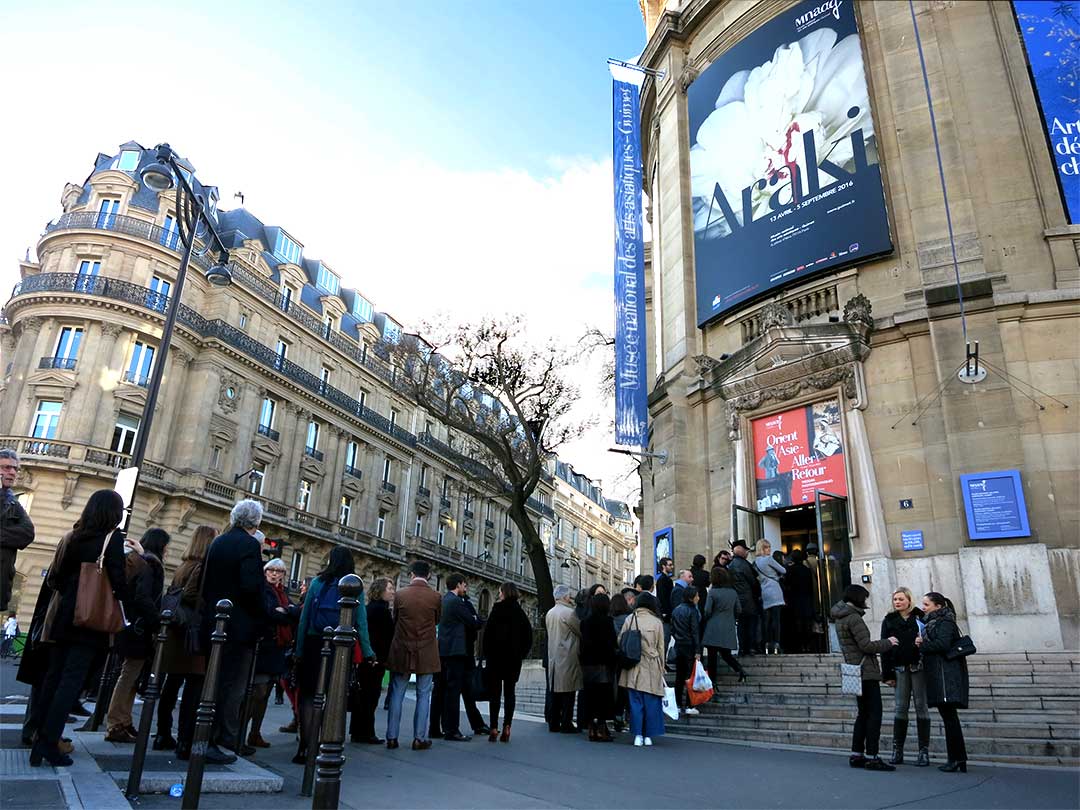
541 770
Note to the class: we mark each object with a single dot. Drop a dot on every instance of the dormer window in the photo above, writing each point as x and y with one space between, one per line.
327 280
128 161
286 249
362 309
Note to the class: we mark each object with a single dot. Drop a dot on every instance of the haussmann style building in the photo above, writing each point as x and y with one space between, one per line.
812 306
278 387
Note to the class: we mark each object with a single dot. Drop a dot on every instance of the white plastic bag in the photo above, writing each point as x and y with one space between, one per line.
702 681
671 708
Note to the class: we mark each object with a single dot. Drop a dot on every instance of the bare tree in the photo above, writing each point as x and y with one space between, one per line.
510 398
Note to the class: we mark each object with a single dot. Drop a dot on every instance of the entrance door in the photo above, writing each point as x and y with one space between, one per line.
746 525
834 554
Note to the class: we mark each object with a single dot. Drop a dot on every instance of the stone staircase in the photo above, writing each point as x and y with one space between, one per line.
1024 708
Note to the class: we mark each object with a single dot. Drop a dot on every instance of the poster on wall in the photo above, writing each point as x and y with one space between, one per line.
785 178
1051 33
994 505
796 453
663 546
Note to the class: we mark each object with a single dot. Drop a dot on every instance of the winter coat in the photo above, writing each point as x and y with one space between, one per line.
146 582
906 653
664 587
701 582
800 594
507 640
320 596
16 533
772 595
598 641
458 618
177 660
721 609
564 646
686 628
380 623
946 681
234 571
648 675
855 643
745 584
270 658
415 649
75 549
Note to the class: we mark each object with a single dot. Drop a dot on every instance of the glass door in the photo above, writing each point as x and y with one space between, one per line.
746 525
833 569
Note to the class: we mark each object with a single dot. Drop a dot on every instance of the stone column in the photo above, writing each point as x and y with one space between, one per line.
173 391
285 489
105 372
28 330
331 483
251 399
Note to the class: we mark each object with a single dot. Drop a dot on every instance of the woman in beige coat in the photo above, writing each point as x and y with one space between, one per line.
644 683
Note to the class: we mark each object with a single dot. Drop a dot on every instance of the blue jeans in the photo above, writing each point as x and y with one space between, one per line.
398 684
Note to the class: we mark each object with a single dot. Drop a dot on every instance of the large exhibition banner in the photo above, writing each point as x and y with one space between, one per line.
631 395
796 453
784 166
1051 33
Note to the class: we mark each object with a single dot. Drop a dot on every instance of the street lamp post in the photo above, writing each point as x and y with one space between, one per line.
191 221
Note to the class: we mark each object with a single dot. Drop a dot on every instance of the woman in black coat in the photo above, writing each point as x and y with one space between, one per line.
279 617
507 640
799 582
597 656
364 698
75 647
946 678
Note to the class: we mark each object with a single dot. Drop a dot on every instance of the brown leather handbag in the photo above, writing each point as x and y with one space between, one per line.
96 607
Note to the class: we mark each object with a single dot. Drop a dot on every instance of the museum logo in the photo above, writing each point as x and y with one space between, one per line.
816 14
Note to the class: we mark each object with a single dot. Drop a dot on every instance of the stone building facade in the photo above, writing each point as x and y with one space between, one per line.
278 387
882 338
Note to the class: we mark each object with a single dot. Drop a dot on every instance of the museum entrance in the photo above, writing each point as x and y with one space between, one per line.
820 531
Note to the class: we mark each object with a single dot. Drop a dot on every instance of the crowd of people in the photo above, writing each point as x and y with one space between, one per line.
606 655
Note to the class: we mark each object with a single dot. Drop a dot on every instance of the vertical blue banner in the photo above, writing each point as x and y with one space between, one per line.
631 401
1051 34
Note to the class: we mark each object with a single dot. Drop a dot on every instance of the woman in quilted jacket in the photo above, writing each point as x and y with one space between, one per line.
946 678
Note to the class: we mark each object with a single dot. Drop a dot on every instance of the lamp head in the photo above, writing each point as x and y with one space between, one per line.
158 176
219 275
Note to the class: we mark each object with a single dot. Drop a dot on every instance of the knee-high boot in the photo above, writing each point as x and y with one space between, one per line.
922 726
899 736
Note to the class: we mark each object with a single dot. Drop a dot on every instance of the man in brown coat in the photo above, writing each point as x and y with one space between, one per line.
414 651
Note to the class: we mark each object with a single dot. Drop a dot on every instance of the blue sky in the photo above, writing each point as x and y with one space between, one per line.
447 159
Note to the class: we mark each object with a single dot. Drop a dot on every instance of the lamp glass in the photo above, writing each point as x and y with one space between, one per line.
219 275
157 177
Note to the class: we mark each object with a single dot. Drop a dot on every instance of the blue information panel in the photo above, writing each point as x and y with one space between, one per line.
913 540
995 507
663 546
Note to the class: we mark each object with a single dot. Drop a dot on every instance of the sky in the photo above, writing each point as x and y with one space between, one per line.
449 160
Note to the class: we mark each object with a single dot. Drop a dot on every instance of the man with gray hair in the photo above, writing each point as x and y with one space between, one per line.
564 669
16 529
234 571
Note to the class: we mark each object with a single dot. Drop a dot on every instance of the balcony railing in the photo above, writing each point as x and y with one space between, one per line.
541 508
269 432
353 471
423 492
469 514
388 487
444 503
58 363
489 524
313 453
508 533
135 378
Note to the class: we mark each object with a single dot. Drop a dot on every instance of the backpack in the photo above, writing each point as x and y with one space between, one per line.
325 612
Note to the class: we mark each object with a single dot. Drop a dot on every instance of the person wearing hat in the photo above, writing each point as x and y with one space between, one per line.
744 580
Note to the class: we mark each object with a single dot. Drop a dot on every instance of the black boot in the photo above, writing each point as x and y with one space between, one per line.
899 737
922 725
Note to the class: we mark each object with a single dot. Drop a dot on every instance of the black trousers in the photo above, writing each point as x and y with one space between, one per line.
68 666
503 690
729 659
599 700
867 732
748 627
684 668
954 734
562 711
366 701
231 690
454 673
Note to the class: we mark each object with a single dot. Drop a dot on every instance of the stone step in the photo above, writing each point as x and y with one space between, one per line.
833 676
1061 752
789 686
1071 719
1031 702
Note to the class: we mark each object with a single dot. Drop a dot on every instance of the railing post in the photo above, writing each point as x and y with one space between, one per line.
204 717
150 699
109 675
318 706
332 745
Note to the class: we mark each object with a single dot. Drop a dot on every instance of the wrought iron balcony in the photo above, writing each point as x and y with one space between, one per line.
269 432
541 508
58 363
489 524
444 503
135 378
386 485
353 471
469 514
508 533
423 492
313 453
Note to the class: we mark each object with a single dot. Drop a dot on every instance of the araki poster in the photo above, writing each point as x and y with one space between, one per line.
784 173
796 453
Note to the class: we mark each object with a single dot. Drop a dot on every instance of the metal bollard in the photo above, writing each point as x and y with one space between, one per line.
245 707
109 674
150 699
204 717
332 743
318 705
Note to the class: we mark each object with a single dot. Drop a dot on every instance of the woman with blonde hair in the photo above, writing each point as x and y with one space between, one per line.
772 595
183 661
364 697
902 667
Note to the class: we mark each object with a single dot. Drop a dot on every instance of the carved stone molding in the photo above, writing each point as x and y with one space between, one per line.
775 314
387 499
844 376
687 77
423 504
186 515
229 393
859 310
112 330
312 467
71 480
155 510
31 324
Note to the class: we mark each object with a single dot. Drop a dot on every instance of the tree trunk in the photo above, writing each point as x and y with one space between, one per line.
530 538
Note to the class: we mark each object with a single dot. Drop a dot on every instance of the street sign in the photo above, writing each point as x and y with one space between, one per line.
912 540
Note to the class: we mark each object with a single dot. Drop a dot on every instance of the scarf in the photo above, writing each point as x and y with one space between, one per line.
284 633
